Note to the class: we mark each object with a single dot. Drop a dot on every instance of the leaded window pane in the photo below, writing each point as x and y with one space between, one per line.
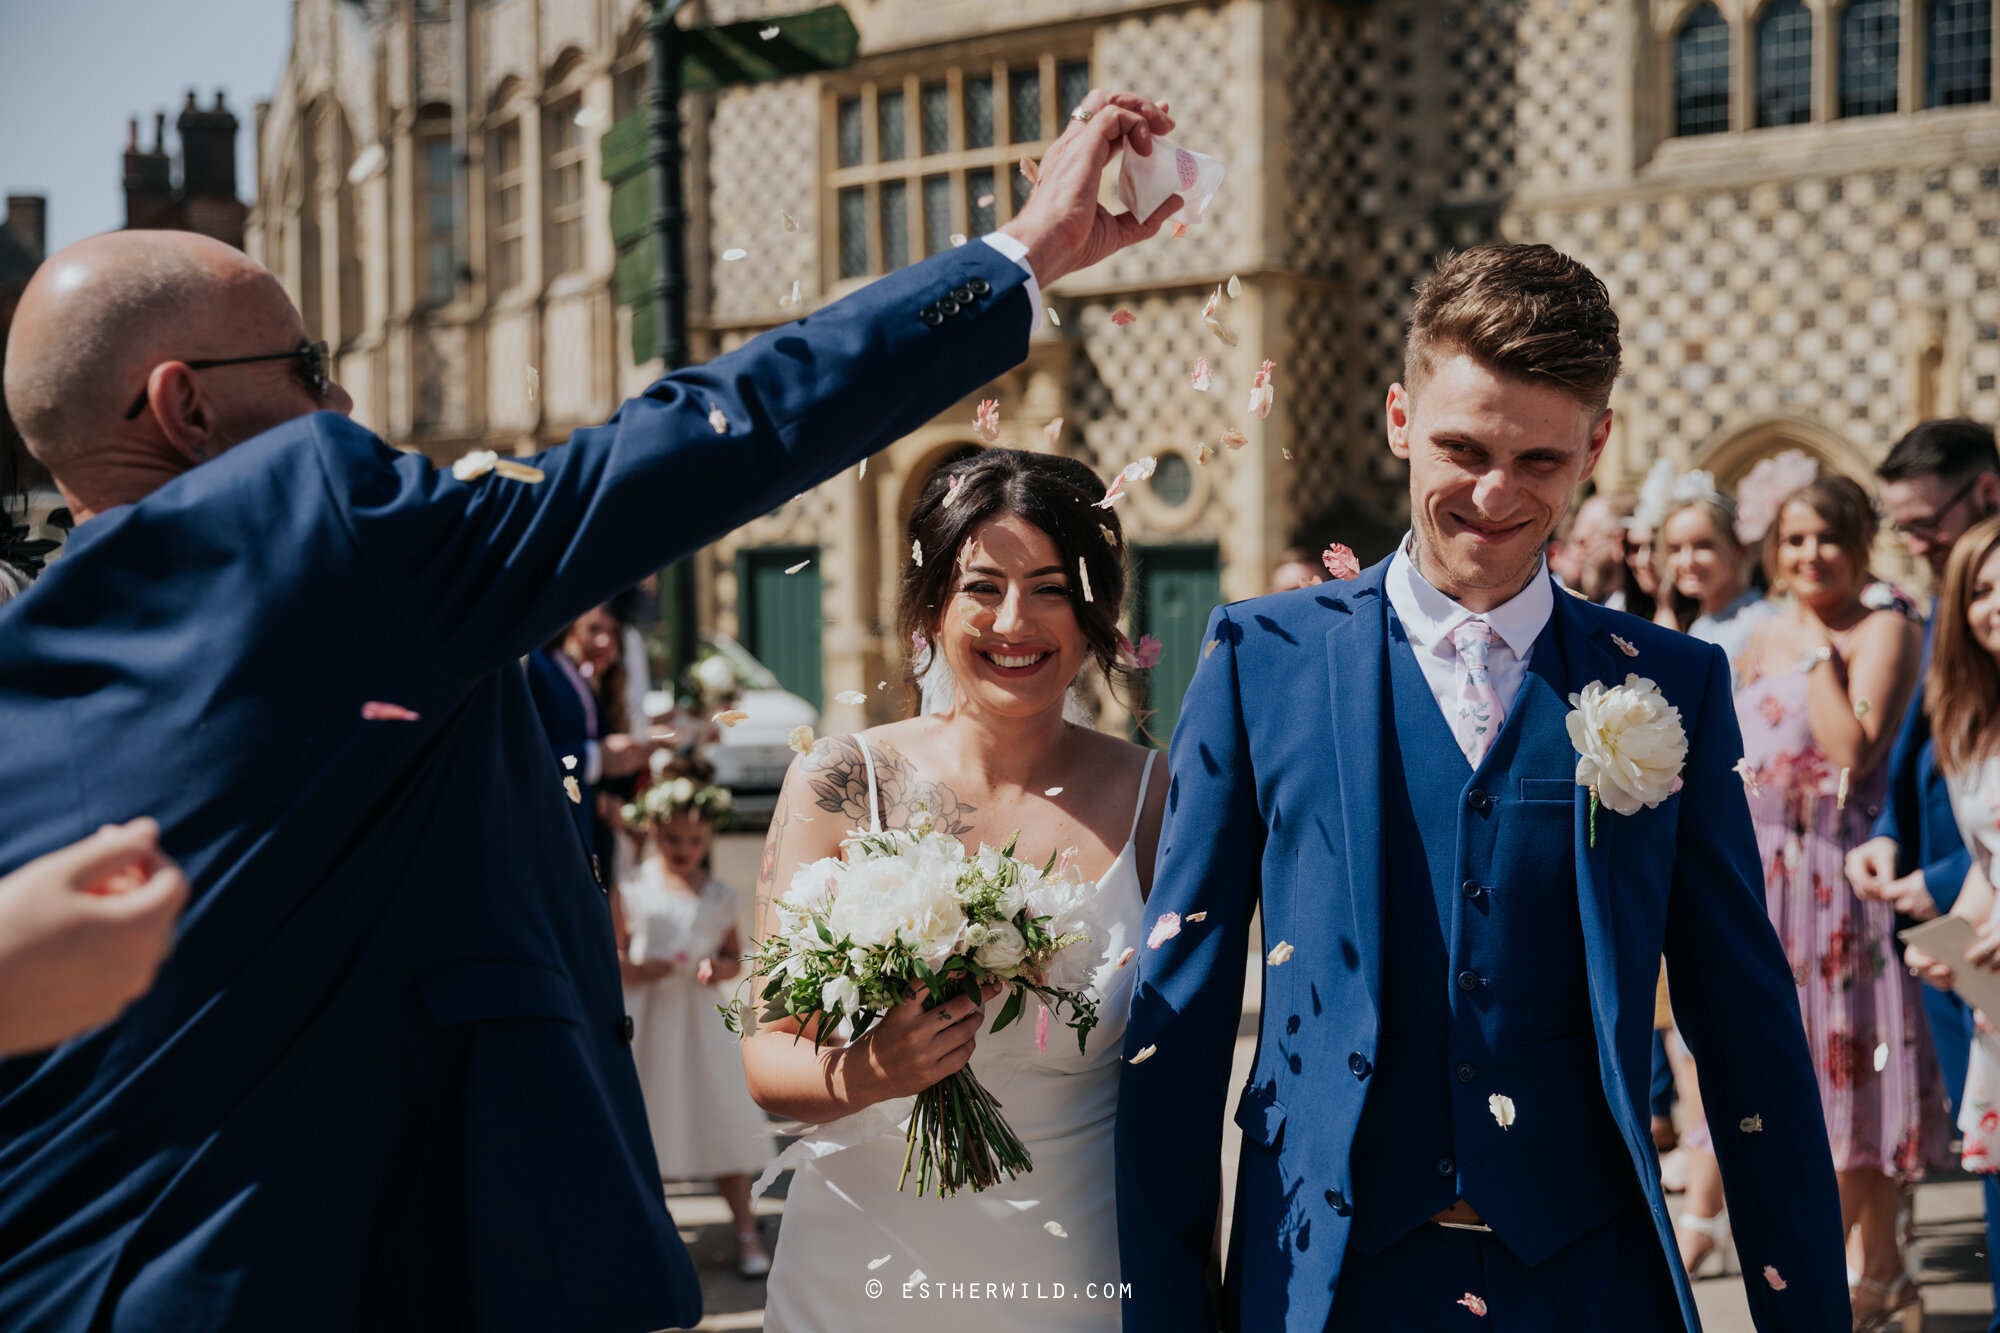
934 108
1869 41
1024 104
854 232
1019 185
979 112
1072 82
980 202
937 214
889 135
895 204
1784 64
1961 53
849 127
1701 74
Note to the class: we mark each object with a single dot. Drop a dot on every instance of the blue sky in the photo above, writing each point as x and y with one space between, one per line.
72 71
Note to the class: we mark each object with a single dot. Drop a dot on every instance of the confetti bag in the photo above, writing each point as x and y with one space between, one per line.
1144 183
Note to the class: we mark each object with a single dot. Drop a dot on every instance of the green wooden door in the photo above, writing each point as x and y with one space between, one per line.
779 614
1176 587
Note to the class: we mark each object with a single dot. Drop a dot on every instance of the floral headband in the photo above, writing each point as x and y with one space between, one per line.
664 800
1764 491
1665 491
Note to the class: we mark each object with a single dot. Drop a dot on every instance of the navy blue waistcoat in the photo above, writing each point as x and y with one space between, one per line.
1484 991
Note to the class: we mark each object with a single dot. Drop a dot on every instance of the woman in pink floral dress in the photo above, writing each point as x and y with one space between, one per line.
1824 682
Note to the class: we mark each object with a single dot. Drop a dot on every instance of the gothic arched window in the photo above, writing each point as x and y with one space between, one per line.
1784 64
1959 40
1701 73
1869 48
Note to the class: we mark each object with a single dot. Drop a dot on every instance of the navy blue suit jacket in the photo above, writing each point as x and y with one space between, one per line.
567 725
1276 797
1918 813
383 1081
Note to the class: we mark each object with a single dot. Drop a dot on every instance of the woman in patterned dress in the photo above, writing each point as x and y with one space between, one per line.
1823 684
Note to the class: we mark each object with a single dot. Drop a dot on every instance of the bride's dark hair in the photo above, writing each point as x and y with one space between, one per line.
1059 496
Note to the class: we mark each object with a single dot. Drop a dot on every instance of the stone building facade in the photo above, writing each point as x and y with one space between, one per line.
1796 205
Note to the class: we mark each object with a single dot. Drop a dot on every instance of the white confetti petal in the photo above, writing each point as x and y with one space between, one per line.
793 299
1235 287
569 761
881 684
1502 1107
1193 917
1054 318
1126 957
718 421
1840 803
1751 1124
731 255
1281 953
1881 1056
958 238
534 384
1625 646
1055 1229
1144 1055
575 792
917 553
1053 791
791 223
850 697
474 465
800 738
1083 568
799 566
589 116
513 471
765 35
983 201
874 1264
729 717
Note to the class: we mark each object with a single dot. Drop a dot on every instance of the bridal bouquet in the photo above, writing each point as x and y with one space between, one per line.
905 909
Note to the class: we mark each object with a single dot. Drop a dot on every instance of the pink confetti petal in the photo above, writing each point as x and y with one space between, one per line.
704 971
1127 956
1042 1029
986 421
1474 1304
1261 391
1772 1277
1199 376
1143 657
1052 433
1123 317
1180 230
376 711
1340 562
1168 926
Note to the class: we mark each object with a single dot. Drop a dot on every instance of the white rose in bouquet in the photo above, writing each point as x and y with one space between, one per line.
840 991
1068 903
998 946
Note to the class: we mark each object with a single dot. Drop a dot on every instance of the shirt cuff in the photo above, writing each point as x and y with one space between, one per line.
1018 252
593 763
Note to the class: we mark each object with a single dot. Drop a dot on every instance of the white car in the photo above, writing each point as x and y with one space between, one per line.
752 756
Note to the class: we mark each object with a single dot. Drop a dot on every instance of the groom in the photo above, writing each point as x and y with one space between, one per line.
1446 1116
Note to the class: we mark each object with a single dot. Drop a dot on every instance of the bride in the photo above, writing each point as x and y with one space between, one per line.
1006 622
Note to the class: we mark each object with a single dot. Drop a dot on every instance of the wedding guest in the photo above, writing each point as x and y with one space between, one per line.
383 1081
1707 568
676 925
1598 537
1296 568
577 681
82 931
1823 683
1939 480
1642 580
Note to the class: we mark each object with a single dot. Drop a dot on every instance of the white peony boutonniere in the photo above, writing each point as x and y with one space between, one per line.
1630 745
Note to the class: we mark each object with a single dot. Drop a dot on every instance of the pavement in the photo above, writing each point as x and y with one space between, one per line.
1948 1254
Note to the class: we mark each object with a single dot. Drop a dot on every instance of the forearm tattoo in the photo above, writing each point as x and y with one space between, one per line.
838 778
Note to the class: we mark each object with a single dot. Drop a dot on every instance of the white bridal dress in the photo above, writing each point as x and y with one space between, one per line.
985 1262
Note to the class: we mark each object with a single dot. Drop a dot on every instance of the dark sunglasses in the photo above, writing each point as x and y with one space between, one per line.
313 354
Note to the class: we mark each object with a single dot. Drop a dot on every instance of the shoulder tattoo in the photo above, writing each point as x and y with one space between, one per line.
837 776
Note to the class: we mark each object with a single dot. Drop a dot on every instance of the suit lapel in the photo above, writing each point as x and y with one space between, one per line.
1585 659
1355 649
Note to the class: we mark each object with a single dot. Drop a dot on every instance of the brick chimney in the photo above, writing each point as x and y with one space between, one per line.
27 218
149 185
208 150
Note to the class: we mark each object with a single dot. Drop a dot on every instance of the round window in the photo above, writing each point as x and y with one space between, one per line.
1173 480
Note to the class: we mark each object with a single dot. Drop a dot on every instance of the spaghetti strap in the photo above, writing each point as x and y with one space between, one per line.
1145 777
874 805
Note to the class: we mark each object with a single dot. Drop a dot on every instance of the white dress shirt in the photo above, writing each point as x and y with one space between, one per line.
1429 617
1018 252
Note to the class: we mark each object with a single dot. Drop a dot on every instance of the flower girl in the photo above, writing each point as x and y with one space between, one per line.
677 936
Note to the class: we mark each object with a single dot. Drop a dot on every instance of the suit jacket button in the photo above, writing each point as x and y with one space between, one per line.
1338 1202
931 315
1465 1073
979 287
1447 1167
1468 981
1473 888
625 1027
962 295
947 306
1359 1064
1477 799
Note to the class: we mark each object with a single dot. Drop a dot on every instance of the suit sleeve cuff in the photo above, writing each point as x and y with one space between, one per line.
1018 252
1943 879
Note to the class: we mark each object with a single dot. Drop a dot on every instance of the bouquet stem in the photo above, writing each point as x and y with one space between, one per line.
959 1139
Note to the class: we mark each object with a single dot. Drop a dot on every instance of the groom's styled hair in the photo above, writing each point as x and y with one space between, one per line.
1527 311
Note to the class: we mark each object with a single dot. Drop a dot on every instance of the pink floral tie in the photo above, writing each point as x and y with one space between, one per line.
1479 711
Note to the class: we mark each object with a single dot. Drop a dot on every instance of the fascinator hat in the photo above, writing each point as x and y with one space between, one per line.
1764 491
1665 491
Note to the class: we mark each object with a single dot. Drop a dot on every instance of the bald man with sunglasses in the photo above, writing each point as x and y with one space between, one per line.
383 1081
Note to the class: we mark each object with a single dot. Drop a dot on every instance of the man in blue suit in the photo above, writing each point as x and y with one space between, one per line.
1447 1110
1940 479
383 1081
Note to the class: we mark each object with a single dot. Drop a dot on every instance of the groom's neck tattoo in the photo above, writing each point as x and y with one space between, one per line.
838 778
